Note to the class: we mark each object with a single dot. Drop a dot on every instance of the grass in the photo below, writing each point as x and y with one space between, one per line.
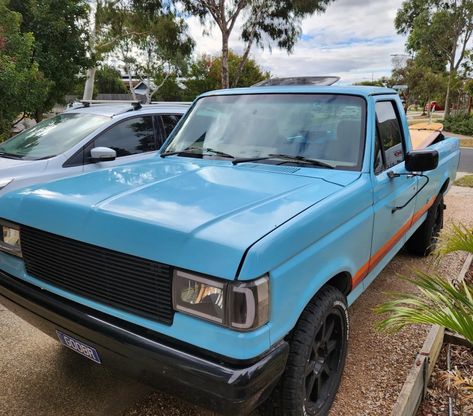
466 181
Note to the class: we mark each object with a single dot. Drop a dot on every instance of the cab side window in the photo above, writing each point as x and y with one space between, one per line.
130 137
389 150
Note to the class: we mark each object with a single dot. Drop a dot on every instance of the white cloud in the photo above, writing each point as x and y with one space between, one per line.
353 39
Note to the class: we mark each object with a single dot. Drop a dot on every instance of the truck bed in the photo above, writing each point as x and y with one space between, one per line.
424 134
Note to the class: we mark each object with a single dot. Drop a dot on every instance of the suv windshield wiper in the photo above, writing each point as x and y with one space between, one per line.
287 158
10 155
190 151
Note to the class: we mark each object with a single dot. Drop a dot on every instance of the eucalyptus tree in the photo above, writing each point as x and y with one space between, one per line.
147 36
440 30
264 23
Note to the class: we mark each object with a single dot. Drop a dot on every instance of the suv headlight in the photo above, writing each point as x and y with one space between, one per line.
239 305
10 238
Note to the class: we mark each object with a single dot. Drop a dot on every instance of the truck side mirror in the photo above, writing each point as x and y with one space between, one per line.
422 160
102 154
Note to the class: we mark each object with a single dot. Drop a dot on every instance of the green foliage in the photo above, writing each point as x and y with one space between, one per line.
469 87
424 84
435 28
465 181
280 23
460 124
60 36
380 82
267 23
109 81
205 74
149 37
251 73
458 238
440 301
21 82
438 33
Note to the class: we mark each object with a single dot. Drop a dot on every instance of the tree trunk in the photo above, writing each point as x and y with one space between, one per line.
244 58
148 89
429 109
38 115
89 84
90 77
130 82
447 96
225 73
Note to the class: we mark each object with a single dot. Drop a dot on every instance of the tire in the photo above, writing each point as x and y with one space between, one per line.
318 348
424 240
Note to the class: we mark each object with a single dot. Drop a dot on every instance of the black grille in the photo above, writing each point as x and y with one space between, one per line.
120 280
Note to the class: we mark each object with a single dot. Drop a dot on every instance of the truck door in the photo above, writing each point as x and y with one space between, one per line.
390 192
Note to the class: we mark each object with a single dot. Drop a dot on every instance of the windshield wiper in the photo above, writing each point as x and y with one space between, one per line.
286 158
10 155
190 151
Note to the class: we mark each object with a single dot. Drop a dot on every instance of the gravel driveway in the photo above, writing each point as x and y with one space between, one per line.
40 378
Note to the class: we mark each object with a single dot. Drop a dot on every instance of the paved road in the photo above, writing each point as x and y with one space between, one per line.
466 160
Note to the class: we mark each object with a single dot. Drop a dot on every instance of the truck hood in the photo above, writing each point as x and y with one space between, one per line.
196 215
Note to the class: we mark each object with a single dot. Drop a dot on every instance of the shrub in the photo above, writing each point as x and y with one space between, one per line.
460 124
440 301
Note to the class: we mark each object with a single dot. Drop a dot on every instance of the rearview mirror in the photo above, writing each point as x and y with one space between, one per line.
422 160
102 154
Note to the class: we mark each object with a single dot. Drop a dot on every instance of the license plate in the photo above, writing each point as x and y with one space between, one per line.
78 346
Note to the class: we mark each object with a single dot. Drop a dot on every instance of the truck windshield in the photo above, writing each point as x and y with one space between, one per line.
51 137
328 128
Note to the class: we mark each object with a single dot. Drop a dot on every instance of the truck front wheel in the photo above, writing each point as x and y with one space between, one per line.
318 348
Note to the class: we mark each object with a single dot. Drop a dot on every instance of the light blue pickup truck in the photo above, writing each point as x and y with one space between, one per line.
222 269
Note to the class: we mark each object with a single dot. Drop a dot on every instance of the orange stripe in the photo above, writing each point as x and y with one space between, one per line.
378 256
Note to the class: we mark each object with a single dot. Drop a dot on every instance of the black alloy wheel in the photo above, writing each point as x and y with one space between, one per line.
318 348
325 362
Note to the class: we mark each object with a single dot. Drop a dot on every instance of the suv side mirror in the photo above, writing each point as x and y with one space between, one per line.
102 154
422 160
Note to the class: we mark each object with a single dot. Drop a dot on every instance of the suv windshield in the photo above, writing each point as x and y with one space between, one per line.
326 128
52 137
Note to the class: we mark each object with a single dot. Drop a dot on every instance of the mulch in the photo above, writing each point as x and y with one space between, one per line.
436 401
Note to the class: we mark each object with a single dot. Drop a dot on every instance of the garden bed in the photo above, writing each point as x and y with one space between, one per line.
436 401
446 360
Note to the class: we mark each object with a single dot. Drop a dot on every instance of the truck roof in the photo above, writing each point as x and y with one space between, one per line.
305 89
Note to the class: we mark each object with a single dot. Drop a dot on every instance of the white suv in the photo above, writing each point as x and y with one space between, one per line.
91 137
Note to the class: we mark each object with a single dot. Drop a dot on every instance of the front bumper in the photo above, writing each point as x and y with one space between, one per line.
215 382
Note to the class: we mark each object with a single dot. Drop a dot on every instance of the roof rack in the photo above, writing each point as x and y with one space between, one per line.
134 103
186 103
313 80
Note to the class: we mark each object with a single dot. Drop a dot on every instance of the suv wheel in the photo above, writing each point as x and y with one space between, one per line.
318 348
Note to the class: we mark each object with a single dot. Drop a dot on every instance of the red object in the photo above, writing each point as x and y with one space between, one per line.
434 106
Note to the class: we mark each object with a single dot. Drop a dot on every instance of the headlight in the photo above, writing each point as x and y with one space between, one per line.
238 305
10 238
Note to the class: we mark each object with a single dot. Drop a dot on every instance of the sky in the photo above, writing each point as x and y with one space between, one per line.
354 39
